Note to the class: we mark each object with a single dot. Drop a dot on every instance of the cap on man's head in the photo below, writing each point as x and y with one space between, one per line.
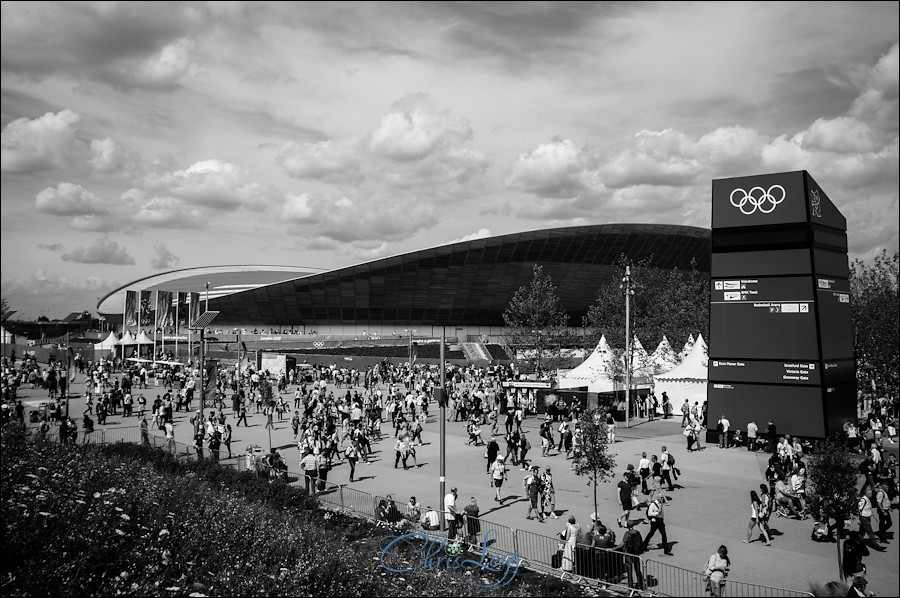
453 489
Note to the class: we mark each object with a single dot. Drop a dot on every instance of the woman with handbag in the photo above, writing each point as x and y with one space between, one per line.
716 571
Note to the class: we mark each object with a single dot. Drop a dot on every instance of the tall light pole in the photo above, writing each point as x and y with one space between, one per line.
206 307
411 332
627 286
443 431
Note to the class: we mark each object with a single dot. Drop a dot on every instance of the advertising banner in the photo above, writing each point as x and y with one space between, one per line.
181 311
146 307
131 308
164 310
194 307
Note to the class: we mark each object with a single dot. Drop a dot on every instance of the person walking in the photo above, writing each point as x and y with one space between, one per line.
548 495
752 432
664 459
624 487
716 571
532 484
226 439
755 519
243 416
865 508
657 522
765 509
490 454
644 472
352 455
634 546
498 476
685 413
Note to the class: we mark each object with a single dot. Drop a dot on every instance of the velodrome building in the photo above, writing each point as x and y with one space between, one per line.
461 288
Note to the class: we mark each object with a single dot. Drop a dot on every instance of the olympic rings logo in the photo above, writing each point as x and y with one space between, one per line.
757 199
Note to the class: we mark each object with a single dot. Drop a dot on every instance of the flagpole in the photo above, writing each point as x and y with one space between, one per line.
176 324
155 329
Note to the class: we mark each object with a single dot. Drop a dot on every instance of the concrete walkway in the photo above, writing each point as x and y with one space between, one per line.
709 507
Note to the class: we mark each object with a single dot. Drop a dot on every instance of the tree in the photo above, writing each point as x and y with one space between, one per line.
5 312
831 488
534 317
673 302
874 305
595 461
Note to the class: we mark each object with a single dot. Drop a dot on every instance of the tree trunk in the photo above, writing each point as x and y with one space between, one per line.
595 495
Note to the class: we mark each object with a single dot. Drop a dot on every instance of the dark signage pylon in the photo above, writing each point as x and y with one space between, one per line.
781 335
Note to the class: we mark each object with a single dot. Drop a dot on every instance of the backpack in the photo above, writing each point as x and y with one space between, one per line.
670 460
634 543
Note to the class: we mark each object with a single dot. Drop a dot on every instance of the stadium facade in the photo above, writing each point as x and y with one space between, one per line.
461 288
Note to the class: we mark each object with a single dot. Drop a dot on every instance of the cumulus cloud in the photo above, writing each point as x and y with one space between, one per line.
385 185
665 174
481 233
50 246
43 143
68 199
110 157
163 257
101 252
212 184
127 45
57 294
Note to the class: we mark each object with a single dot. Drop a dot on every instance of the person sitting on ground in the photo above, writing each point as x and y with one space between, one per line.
784 497
430 520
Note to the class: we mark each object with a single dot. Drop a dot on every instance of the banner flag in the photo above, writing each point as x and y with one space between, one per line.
164 317
182 310
146 313
131 308
194 308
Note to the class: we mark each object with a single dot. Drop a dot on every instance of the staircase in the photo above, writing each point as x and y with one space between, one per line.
476 352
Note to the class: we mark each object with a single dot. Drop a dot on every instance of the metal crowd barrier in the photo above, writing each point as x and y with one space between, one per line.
669 580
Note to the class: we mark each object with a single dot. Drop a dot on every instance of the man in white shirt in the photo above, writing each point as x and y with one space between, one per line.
752 431
666 469
644 471
723 426
430 520
450 512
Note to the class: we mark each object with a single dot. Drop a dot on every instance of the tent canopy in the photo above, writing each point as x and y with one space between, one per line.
107 344
143 339
688 380
597 372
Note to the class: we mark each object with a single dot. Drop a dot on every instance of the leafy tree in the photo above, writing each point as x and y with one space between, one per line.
874 304
673 302
831 490
4 308
534 317
595 461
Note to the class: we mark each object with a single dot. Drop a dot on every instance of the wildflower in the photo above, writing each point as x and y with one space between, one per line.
125 517
120 532
96 495
163 532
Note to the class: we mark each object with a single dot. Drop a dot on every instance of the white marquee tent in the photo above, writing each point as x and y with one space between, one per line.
688 380
107 344
686 350
593 372
664 358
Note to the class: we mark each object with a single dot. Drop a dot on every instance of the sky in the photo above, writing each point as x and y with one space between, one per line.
144 137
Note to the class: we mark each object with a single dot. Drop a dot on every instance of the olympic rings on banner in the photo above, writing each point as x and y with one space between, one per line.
758 199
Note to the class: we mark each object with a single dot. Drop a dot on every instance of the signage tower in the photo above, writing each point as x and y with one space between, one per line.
781 335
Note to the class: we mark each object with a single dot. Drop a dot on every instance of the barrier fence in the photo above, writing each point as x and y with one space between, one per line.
610 567
542 553
668 580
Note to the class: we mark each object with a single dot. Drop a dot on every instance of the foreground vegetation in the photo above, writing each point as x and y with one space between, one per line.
128 520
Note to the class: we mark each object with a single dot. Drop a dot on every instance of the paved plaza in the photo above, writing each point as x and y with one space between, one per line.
709 507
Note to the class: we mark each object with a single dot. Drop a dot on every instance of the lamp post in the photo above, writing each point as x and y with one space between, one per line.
411 332
443 431
628 289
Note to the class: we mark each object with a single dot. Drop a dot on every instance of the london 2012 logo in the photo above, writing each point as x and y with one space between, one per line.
815 203
758 198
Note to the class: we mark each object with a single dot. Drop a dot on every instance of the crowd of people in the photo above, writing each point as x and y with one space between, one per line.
338 414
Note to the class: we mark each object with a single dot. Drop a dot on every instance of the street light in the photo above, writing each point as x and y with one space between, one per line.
627 287
411 332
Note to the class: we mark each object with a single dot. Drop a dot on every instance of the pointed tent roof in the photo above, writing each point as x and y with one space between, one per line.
143 339
664 358
128 339
595 366
640 359
688 345
108 343
694 366
7 335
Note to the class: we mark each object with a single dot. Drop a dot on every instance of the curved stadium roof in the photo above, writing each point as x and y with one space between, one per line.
469 282
223 280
